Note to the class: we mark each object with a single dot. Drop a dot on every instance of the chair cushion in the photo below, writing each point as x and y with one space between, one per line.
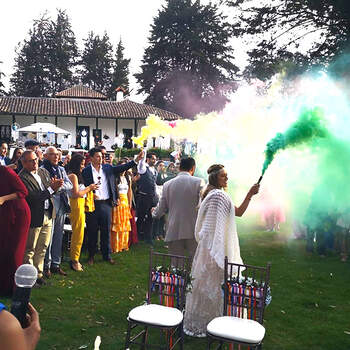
238 329
157 315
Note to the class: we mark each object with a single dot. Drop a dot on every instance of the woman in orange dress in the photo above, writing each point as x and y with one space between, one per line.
121 214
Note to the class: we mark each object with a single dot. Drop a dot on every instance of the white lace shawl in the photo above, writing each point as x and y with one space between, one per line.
216 228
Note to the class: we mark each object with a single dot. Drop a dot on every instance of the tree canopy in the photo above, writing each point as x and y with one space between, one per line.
46 59
293 34
120 75
2 86
97 63
187 67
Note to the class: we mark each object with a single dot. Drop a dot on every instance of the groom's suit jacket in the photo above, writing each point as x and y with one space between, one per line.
180 198
110 172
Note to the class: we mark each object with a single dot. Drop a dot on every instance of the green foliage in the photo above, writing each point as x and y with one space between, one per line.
97 63
187 67
31 64
125 152
120 75
294 35
45 60
63 53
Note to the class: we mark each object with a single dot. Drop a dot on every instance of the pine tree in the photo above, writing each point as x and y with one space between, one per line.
187 67
2 86
63 53
120 76
31 64
45 61
97 62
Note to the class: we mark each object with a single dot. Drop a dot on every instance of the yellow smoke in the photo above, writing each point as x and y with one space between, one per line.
177 130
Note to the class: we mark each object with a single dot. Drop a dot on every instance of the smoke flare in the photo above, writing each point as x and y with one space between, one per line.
309 125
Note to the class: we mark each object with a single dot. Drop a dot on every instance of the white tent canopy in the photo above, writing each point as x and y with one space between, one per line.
43 128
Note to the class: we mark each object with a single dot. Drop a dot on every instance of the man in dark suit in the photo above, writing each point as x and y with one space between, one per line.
4 160
105 197
40 190
147 196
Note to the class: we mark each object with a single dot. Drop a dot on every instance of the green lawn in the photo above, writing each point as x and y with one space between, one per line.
310 306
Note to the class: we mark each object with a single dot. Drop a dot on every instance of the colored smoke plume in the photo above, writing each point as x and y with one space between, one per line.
310 125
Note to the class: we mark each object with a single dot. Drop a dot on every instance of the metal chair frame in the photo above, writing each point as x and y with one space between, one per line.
254 276
155 288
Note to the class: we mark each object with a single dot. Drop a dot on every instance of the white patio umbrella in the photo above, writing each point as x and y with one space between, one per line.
43 128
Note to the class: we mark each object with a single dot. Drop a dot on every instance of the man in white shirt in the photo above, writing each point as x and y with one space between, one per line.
105 197
40 190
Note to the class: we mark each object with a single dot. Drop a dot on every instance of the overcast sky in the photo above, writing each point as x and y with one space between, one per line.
129 20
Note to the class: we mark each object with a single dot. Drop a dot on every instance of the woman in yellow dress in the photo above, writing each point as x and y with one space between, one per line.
77 204
121 214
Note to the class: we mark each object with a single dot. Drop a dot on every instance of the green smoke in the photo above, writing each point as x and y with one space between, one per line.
310 125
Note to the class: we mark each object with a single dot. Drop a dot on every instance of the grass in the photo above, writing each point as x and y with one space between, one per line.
310 305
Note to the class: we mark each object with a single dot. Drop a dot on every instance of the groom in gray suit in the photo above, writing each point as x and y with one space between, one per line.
180 199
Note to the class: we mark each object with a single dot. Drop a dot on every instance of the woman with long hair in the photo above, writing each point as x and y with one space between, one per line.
77 204
17 153
216 235
121 214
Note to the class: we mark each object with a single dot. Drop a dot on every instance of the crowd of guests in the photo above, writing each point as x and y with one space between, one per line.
102 197
108 199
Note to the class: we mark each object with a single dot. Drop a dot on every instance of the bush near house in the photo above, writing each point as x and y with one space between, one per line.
125 152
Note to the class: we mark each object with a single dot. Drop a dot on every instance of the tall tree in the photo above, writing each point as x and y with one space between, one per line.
295 35
187 67
2 86
31 64
45 61
97 63
120 76
62 53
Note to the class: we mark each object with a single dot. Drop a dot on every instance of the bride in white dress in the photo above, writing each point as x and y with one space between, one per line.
216 235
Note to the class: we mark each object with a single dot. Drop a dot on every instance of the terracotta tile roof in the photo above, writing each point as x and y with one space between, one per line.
64 107
80 91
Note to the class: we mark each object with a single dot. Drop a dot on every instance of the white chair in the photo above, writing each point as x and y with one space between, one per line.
168 279
244 304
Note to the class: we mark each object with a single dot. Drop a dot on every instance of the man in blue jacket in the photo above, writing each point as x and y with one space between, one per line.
61 204
105 197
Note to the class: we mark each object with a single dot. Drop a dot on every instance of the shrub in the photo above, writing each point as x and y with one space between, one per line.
160 153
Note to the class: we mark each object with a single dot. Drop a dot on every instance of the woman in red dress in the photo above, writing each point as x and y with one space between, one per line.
14 227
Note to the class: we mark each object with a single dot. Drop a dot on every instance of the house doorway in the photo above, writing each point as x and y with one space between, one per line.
127 138
83 137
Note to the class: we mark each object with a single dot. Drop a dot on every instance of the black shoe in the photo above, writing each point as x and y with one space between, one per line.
47 273
58 270
40 281
111 261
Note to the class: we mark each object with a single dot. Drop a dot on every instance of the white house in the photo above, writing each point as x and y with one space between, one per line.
85 113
